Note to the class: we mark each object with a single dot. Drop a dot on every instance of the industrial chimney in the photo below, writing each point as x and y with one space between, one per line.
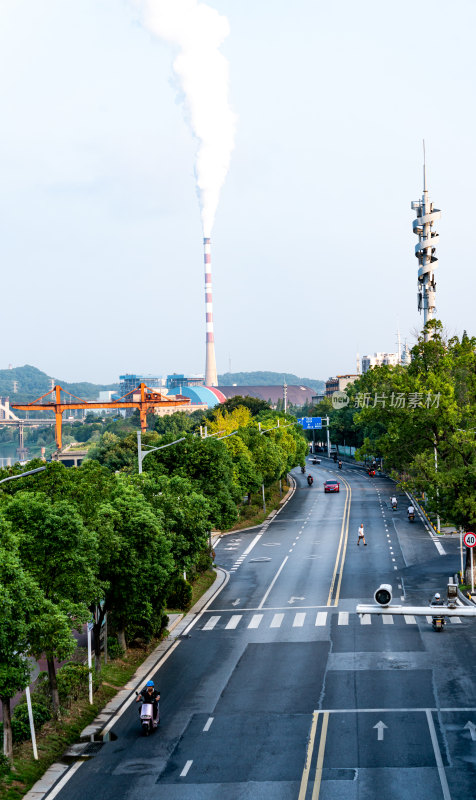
210 363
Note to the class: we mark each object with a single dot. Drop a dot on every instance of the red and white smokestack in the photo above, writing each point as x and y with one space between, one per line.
211 378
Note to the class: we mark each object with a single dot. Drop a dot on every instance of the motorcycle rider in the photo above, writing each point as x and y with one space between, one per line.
393 501
340 464
310 480
410 510
303 470
150 694
436 600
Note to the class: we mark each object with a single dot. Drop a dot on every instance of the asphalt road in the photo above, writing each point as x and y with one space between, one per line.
282 692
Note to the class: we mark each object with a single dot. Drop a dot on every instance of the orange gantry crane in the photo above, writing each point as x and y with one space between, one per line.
147 401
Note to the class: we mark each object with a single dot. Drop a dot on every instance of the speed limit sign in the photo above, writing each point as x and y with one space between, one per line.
469 539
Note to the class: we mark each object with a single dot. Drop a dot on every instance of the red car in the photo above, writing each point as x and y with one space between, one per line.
331 486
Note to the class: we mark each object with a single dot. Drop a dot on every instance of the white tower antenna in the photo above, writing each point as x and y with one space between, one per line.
425 249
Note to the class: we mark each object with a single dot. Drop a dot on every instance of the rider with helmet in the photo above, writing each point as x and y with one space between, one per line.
150 694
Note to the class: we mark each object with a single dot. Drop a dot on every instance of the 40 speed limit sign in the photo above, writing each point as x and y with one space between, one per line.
469 539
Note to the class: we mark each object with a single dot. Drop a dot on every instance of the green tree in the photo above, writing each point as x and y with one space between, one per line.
135 563
60 553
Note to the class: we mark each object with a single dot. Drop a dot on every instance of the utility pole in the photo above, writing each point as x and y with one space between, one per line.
285 395
425 250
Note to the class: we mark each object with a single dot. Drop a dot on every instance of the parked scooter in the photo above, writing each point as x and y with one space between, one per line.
310 480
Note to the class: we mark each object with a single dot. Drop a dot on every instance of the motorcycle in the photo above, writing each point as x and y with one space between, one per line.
310 480
303 470
411 518
371 472
438 623
146 714
394 506
340 464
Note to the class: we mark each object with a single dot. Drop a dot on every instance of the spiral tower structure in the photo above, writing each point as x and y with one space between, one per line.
425 251
211 378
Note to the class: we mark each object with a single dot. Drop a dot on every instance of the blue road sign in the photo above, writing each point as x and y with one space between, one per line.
310 423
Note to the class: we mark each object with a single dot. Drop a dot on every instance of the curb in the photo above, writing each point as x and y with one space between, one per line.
58 773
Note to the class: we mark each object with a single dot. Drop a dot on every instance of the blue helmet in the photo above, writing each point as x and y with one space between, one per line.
150 683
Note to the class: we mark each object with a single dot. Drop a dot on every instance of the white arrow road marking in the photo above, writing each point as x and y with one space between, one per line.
472 729
271 544
292 599
380 729
235 602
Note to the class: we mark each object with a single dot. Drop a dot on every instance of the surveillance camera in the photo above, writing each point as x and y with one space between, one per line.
452 592
383 595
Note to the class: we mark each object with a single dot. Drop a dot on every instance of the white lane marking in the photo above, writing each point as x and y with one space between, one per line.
210 624
387 619
402 597
255 621
321 618
276 621
439 760
186 768
65 779
343 618
233 622
428 619
409 619
455 620
208 723
272 584
365 619
299 620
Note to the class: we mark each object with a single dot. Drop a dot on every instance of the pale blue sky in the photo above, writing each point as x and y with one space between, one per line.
100 237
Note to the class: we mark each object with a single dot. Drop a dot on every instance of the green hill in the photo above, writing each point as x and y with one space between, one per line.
268 379
32 383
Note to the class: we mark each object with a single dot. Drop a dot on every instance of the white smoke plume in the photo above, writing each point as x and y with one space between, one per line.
197 31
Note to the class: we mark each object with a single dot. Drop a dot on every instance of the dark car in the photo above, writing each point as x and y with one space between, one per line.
315 460
331 486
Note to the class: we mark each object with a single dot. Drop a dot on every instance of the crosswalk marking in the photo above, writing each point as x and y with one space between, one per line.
233 622
211 623
299 620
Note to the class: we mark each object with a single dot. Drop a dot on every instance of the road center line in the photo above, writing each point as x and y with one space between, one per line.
272 584
307 763
320 759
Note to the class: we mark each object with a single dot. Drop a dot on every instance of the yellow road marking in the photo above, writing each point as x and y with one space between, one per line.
307 763
344 550
320 758
348 493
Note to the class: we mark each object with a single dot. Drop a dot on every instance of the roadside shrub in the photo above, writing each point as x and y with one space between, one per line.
180 593
114 649
204 561
4 762
72 682
21 722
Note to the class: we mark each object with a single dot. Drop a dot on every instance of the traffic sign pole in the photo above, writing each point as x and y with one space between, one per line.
470 541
